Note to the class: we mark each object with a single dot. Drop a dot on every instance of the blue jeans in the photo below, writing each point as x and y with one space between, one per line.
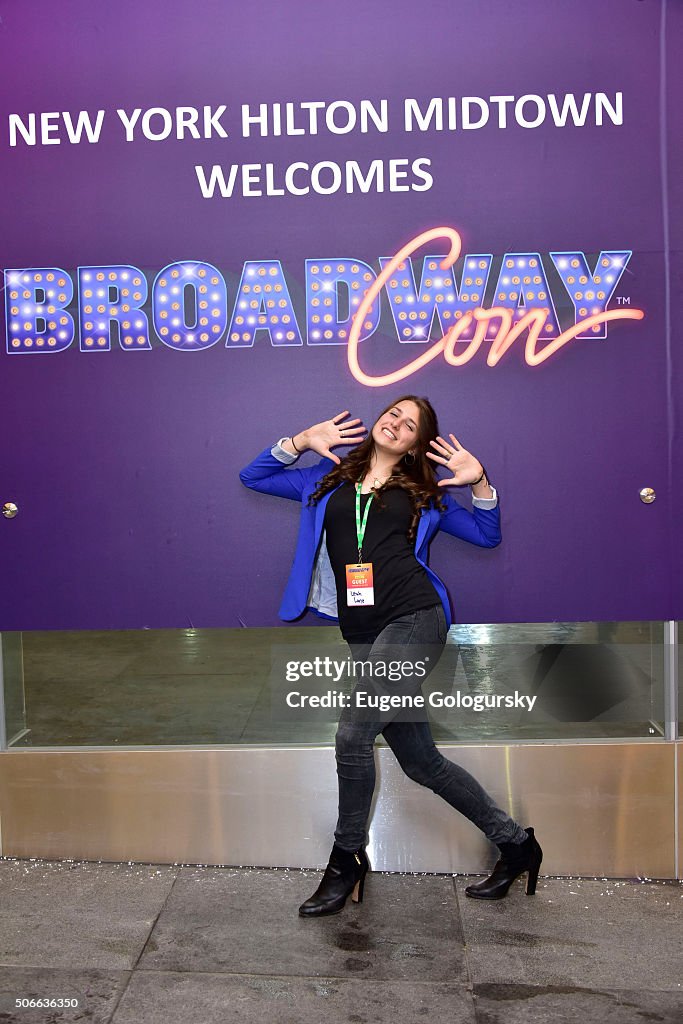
418 636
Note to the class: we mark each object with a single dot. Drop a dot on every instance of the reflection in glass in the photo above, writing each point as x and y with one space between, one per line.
11 662
197 686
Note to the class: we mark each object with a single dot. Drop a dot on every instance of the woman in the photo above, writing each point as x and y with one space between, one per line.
361 557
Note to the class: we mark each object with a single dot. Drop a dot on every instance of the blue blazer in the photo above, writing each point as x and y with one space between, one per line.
270 476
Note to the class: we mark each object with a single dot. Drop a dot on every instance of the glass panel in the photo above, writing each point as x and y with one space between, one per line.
564 681
13 688
511 682
677 661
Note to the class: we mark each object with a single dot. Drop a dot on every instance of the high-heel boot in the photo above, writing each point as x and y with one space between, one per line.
344 876
516 858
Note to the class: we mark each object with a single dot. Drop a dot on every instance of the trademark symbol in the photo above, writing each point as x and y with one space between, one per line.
623 300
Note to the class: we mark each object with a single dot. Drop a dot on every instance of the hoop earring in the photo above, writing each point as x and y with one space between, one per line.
412 456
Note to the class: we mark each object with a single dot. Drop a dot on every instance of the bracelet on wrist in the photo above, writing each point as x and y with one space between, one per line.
474 482
294 446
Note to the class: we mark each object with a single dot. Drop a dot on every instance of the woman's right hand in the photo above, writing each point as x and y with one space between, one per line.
322 437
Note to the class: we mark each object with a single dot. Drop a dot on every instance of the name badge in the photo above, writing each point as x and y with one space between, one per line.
359 587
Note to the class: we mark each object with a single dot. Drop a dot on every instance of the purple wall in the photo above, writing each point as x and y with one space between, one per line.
124 463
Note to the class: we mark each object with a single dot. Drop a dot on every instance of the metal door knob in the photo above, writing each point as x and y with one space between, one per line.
9 510
647 495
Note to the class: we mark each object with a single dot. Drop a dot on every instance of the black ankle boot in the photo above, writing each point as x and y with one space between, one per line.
516 858
344 876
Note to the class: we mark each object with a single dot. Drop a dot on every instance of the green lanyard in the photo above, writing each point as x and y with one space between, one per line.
360 525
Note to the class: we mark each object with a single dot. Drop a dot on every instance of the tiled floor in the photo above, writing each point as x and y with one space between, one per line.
220 686
163 944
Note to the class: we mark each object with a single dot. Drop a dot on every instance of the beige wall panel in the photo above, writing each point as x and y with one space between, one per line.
598 808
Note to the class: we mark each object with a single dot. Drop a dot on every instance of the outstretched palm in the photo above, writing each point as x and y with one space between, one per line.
322 437
463 466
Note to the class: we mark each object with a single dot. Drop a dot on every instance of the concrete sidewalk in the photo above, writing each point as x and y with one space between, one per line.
177 944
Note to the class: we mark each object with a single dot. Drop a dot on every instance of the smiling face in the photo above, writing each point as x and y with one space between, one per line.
396 430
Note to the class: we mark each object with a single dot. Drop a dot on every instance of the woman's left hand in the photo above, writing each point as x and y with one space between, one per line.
463 466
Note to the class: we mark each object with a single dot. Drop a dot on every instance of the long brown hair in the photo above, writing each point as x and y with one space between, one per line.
416 476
